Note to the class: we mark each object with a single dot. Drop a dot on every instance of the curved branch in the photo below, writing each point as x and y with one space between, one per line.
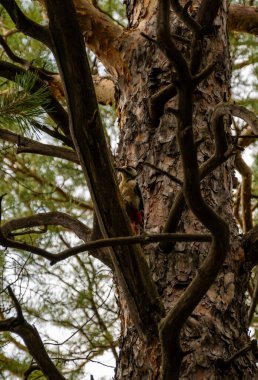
221 154
170 326
54 218
239 111
47 219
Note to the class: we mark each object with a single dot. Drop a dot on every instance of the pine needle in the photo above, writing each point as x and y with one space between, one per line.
21 105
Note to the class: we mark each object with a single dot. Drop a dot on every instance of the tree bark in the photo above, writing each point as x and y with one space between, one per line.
217 328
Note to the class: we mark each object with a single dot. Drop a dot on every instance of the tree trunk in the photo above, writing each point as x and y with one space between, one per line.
217 328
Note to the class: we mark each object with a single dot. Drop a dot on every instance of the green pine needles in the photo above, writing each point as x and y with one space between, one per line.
23 104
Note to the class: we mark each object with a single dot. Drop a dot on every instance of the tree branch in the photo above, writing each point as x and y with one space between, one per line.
140 239
54 109
243 19
26 25
55 218
32 340
83 232
246 192
104 37
182 13
171 325
166 43
89 139
26 145
221 153
48 219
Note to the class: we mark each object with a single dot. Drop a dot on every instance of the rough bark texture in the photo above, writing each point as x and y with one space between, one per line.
217 328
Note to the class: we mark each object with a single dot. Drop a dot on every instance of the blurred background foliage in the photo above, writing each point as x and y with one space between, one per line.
83 324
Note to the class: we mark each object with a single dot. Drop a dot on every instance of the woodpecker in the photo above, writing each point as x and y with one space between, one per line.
132 197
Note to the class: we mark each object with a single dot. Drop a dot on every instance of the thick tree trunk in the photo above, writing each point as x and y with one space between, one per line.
217 328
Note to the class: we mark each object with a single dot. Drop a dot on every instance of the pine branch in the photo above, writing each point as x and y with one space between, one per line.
20 106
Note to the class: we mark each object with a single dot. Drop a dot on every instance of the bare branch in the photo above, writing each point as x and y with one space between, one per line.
221 154
54 218
10 53
170 326
205 17
26 145
157 102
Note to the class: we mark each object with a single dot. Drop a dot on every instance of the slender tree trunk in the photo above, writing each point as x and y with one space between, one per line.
217 328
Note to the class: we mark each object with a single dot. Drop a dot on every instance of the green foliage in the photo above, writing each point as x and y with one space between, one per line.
22 103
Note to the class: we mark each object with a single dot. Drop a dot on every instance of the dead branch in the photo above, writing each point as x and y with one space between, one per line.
157 102
239 111
221 153
54 218
205 16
